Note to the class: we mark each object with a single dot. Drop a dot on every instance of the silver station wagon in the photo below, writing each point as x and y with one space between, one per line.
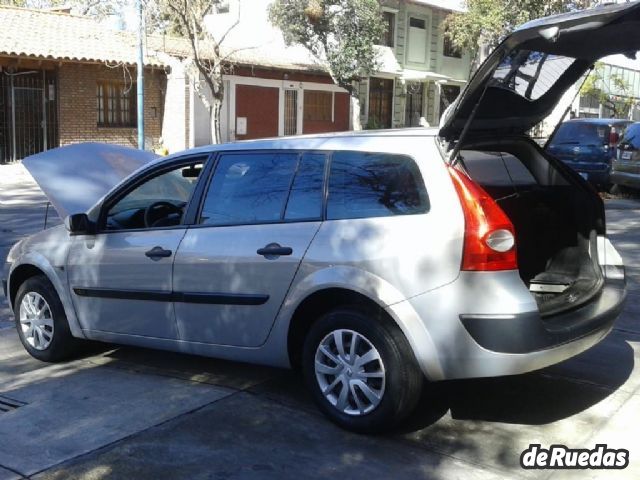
375 262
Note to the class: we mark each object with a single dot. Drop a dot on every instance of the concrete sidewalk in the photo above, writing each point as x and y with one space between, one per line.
133 413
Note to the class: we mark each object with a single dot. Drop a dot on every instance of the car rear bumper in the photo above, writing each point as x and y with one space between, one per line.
595 172
487 324
626 179
528 332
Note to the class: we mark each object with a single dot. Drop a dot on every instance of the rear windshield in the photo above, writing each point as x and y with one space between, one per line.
530 74
632 136
581 134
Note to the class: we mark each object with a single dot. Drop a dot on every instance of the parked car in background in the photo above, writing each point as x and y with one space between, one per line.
375 262
625 169
588 146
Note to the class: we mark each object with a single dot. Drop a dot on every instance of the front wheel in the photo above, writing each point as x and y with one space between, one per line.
41 321
361 370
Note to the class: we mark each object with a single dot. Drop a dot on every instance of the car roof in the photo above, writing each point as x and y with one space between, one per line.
599 121
314 141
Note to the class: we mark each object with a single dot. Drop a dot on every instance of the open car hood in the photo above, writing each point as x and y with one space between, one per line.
75 177
522 81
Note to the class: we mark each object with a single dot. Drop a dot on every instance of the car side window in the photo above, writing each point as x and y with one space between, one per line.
249 188
158 202
374 185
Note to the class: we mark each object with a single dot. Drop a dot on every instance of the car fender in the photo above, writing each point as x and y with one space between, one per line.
374 288
58 277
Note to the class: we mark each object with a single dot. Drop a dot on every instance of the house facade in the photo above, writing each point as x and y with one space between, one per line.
271 89
420 74
576 105
74 81
70 80
618 78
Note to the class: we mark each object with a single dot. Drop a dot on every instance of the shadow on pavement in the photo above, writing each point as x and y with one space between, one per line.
536 398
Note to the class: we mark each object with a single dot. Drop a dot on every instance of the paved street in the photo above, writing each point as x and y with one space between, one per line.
135 413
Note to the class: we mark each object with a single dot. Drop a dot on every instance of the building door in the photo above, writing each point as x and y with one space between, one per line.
290 112
28 113
448 95
413 106
380 103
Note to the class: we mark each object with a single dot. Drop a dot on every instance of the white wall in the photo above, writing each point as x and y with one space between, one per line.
200 131
174 121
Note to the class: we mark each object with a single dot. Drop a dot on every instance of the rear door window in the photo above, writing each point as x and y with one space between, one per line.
249 188
374 185
265 187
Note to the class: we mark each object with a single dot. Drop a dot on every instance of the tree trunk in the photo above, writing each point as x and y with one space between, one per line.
355 109
214 118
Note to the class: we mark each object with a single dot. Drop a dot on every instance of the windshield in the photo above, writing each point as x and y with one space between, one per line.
581 134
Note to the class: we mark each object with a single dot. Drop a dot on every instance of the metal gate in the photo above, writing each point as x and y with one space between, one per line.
413 105
28 113
290 112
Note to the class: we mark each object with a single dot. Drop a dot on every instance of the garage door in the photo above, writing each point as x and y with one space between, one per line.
258 106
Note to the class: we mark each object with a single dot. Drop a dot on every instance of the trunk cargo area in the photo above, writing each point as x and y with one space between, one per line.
556 216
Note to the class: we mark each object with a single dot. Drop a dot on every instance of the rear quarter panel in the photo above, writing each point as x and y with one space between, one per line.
411 253
388 259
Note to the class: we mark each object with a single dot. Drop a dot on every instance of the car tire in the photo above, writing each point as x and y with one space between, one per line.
392 376
41 321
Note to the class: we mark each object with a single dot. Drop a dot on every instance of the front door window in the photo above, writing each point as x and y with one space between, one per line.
158 202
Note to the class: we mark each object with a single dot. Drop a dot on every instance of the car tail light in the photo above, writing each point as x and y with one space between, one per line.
489 240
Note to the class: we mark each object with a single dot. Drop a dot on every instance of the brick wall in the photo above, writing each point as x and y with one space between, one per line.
78 117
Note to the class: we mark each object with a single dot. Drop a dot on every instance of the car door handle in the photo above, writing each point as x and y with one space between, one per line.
274 250
158 252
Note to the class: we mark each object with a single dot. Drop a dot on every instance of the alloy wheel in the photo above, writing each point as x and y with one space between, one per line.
36 321
350 372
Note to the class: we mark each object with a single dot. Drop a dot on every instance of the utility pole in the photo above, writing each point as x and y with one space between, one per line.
140 84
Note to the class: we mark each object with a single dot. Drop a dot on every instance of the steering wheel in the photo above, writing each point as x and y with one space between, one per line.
159 210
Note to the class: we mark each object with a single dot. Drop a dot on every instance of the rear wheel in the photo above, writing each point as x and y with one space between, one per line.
41 322
361 370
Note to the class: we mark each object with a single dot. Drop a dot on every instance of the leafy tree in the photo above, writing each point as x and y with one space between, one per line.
489 21
612 90
208 62
342 34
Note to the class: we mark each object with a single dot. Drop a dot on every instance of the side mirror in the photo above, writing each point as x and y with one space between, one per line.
79 224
